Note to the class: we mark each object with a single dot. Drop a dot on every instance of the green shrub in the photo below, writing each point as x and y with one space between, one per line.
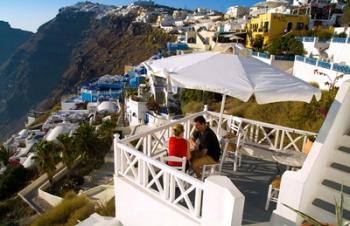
12 210
286 45
108 209
81 214
297 115
192 107
71 209
14 179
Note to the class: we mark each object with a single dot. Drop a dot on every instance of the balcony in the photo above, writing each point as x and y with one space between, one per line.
137 163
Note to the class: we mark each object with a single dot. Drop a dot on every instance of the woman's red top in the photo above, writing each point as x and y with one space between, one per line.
177 147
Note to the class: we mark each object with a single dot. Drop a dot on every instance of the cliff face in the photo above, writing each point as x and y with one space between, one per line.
75 46
10 40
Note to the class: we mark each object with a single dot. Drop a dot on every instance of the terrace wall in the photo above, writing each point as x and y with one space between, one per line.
308 70
299 188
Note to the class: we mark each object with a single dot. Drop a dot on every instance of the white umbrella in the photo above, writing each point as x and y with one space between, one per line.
233 75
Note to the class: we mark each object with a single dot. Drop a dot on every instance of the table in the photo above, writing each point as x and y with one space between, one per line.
290 158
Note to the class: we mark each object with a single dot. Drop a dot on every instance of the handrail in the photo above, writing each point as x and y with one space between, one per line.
163 166
137 136
268 124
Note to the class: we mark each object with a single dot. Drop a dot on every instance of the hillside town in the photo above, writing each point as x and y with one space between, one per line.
121 124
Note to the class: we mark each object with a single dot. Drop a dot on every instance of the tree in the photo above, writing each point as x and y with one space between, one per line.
106 132
4 155
46 158
286 45
86 142
346 16
258 42
68 153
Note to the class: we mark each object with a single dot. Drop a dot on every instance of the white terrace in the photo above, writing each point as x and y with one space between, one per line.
162 188
149 192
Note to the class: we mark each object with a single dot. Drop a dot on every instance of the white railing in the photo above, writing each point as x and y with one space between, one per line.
270 136
136 159
267 135
154 142
160 180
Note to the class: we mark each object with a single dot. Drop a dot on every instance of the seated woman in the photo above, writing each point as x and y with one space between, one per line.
177 145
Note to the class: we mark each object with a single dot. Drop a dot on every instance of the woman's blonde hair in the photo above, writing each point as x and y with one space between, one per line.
177 129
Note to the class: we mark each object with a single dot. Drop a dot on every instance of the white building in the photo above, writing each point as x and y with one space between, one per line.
325 63
135 111
237 11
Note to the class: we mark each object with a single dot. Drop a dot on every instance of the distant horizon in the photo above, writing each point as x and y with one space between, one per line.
29 15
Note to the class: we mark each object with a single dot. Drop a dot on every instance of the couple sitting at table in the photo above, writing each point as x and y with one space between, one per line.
205 145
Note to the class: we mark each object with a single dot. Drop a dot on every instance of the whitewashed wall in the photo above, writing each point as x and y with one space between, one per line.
307 73
299 189
222 205
339 52
136 111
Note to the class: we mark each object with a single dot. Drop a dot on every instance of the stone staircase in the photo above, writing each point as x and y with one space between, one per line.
336 176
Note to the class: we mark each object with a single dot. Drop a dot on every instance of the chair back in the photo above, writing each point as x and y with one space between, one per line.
236 128
210 170
182 160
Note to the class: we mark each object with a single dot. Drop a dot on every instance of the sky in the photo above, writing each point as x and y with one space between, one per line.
30 14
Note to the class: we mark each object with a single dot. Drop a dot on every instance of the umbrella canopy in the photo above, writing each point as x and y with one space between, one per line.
233 75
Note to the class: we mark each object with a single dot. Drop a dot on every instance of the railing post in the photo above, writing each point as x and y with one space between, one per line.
166 183
198 202
172 189
205 108
282 140
117 154
277 138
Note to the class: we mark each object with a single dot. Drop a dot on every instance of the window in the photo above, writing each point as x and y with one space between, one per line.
289 27
266 26
300 26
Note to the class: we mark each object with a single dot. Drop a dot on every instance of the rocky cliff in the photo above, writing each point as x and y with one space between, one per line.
83 41
10 40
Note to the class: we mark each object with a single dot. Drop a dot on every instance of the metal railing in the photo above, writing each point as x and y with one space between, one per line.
324 64
331 66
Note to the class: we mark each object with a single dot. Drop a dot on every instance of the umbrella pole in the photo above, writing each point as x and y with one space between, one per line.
221 113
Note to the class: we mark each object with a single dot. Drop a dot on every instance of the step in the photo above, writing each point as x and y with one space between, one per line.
341 156
344 149
340 167
336 186
329 207
337 176
345 139
330 195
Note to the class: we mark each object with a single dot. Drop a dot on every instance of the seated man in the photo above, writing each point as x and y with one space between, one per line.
208 146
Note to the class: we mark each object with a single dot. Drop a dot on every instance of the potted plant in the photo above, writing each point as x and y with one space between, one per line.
308 145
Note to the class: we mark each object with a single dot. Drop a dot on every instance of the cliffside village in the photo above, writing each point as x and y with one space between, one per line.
140 101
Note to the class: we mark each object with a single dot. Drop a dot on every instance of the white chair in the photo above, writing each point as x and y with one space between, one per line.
210 170
182 160
214 169
274 189
235 128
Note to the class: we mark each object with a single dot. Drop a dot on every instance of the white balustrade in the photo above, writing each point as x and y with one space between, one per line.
270 136
167 183
136 159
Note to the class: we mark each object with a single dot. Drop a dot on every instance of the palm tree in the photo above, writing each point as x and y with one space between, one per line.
46 158
106 132
87 142
67 150
4 155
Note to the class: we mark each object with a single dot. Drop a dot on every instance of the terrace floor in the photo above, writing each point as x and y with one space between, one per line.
253 179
